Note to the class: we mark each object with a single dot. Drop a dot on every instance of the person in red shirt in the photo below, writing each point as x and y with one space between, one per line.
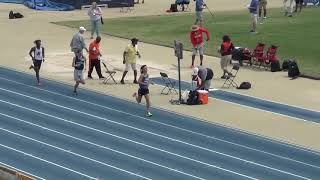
196 37
94 54
226 55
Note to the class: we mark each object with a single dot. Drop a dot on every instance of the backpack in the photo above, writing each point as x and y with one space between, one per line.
18 15
174 8
285 64
244 85
293 70
11 15
275 66
193 98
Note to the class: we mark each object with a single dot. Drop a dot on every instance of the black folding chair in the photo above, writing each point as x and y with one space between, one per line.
109 73
230 78
169 85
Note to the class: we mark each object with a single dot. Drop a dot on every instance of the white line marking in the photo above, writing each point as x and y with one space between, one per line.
19 170
182 129
135 142
155 134
75 154
49 162
269 100
97 145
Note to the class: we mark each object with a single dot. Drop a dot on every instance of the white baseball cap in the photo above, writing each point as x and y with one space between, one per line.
81 28
195 71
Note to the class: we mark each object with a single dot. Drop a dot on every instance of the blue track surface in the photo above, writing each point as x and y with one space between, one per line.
53 135
253 102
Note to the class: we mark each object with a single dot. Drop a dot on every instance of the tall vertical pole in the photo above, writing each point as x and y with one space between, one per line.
179 80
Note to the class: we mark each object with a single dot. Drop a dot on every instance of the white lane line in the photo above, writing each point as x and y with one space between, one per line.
155 134
97 145
182 129
75 154
21 171
129 140
262 99
46 161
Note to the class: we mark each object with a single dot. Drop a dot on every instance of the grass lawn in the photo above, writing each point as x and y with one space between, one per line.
297 37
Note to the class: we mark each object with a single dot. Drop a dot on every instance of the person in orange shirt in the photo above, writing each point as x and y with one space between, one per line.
94 54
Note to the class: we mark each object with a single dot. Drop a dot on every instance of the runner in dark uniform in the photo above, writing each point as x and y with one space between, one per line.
79 63
144 82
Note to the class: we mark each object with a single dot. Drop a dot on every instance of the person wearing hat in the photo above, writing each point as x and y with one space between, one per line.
37 55
196 37
205 75
77 43
199 8
130 60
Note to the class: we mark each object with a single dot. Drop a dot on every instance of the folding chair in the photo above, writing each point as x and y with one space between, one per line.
109 73
258 54
169 84
125 7
230 79
271 56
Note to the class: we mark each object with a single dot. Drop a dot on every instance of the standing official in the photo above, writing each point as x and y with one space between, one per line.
94 54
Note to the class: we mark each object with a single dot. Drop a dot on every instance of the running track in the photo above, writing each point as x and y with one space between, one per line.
50 134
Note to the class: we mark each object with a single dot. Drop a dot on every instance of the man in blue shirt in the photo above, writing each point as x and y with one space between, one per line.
253 9
199 7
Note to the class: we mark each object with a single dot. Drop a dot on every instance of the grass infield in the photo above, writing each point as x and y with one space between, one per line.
297 37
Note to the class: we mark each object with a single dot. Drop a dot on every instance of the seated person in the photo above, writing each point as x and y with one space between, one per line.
205 75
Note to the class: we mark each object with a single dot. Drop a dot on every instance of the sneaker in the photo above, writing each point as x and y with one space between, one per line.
223 77
39 83
102 77
122 81
149 114
290 15
135 82
75 93
134 94
31 67
90 77
265 17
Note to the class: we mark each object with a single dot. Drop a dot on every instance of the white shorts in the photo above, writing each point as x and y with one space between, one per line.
133 66
78 75
225 60
254 18
199 48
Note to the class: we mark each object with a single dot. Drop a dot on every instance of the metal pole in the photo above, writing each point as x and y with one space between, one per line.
179 81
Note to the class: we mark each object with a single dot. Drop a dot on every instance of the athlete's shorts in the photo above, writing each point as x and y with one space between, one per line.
37 63
78 75
143 91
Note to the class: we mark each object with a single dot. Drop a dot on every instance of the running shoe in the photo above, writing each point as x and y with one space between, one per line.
149 114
